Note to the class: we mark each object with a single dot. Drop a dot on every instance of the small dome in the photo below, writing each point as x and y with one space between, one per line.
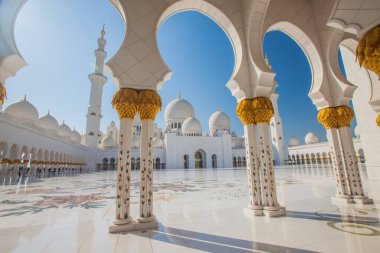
219 121
22 110
311 138
48 122
112 124
158 143
357 131
135 142
107 141
293 141
75 136
64 130
192 126
178 109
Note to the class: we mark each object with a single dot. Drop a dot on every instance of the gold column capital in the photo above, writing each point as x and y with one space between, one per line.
3 94
368 50
336 117
149 104
125 102
128 102
378 120
255 110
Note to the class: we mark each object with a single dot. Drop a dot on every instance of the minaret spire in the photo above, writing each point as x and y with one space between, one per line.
97 81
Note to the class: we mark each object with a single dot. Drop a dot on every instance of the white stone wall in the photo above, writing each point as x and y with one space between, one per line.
13 132
178 146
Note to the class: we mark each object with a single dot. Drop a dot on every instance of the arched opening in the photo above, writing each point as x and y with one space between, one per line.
105 163
239 161
138 163
197 49
297 81
234 162
200 159
214 161
185 161
133 164
158 163
51 52
112 163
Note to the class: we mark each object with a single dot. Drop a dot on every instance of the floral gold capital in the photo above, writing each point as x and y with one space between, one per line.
336 117
128 102
149 104
368 50
378 120
3 94
255 110
125 102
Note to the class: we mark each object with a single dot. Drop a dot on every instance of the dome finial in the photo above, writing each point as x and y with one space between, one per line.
179 94
48 112
103 32
25 97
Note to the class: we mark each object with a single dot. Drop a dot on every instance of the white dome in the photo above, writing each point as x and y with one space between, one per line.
219 121
107 141
178 109
293 141
23 110
75 136
357 131
136 142
311 138
64 130
158 143
192 126
48 122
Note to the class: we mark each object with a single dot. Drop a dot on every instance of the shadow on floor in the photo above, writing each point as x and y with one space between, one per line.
212 243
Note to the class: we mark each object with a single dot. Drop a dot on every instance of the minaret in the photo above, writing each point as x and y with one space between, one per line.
94 107
280 151
277 133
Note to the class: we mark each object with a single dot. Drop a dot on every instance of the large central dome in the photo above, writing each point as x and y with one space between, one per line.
178 109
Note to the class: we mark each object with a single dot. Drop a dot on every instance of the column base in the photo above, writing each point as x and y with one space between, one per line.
133 226
122 221
362 200
147 219
342 200
249 212
274 211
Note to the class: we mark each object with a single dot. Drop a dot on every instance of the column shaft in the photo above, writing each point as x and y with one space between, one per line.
123 173
254 184
267 167
350 162
146 172
338 163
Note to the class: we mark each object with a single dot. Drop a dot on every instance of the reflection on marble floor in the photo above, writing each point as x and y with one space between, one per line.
198 211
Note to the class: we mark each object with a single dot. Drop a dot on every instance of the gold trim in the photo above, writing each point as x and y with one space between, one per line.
255 110
336 117
378 120
368 50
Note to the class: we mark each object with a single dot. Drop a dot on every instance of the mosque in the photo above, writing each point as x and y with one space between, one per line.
28 139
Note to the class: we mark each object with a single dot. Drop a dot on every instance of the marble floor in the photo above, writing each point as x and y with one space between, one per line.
197 210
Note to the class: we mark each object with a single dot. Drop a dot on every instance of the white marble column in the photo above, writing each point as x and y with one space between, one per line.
267 169
342 190
124 173
146 172
352 172
254 184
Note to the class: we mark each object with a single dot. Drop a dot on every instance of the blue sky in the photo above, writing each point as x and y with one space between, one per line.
58 39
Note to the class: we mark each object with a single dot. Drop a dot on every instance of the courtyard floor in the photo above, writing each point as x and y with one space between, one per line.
197 210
